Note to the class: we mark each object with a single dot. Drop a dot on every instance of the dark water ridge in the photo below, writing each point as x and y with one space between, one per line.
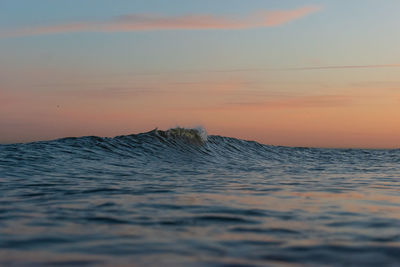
182 198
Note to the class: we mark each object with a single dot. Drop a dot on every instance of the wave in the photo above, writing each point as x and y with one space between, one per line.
178 146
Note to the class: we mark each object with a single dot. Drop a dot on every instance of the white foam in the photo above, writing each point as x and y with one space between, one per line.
202 133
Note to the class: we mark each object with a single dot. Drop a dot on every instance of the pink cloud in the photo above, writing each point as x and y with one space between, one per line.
278 17
151 22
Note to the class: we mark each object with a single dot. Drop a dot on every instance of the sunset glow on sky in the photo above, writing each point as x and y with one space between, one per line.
295 73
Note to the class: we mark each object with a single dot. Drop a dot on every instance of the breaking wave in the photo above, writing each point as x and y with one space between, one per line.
175 146
174 141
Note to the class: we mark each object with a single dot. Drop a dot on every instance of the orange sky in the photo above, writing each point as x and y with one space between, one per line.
349 116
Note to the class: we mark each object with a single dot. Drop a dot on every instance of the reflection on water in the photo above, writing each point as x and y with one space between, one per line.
151 200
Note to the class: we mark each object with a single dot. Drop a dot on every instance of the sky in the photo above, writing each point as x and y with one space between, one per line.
291 72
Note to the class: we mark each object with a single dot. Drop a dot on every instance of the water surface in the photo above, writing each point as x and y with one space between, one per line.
153 199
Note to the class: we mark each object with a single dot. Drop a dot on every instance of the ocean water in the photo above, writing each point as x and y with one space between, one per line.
177 198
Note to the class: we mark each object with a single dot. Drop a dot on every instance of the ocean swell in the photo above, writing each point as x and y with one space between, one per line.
188 199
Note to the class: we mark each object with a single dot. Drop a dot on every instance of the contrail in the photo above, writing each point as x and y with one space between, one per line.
313 68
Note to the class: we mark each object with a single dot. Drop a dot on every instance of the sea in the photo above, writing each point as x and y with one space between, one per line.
183 198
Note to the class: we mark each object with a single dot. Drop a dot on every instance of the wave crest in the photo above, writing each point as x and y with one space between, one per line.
196 135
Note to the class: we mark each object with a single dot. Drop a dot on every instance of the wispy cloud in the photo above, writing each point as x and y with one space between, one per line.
152 22
346 67
310 101
316 102
328 67
283 69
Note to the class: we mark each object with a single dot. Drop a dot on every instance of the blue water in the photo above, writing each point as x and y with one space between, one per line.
166 199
